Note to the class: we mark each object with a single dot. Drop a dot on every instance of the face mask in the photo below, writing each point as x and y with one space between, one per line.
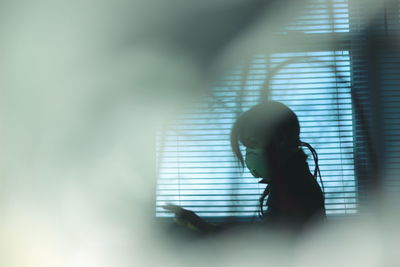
256 163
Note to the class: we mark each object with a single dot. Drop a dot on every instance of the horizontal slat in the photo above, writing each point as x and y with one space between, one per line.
175 162
246 192
233 184
251 203
300 108
169 167
247 179
255 197
223 159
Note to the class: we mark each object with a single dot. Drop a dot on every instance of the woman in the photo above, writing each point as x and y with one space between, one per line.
270 132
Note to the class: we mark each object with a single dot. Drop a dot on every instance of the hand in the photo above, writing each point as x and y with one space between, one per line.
189 219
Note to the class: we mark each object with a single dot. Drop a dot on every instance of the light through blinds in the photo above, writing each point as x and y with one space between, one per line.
322 16
196 167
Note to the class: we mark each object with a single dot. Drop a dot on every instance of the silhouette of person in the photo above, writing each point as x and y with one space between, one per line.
270 133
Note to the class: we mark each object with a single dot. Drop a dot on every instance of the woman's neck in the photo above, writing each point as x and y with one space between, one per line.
293 165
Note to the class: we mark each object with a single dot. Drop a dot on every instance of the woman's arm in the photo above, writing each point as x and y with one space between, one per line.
191 220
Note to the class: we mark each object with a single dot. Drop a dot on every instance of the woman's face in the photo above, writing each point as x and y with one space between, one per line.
256 159
256 162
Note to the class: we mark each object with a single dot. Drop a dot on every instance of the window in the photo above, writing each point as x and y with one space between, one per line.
197 169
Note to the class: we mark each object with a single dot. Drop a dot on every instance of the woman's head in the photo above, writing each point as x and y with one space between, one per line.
269 129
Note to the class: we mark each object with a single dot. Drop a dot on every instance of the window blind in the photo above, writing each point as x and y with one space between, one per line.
386 32
197 169
322 16
375 63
